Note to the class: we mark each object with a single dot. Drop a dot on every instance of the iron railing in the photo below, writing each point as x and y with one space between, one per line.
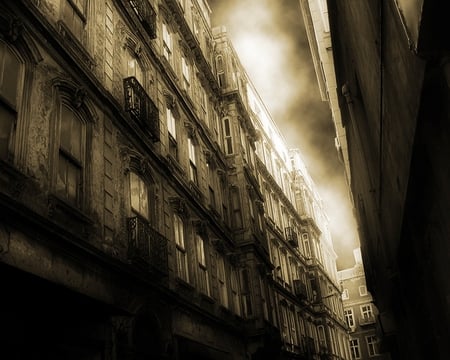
146 246
146 15
141 107
291 236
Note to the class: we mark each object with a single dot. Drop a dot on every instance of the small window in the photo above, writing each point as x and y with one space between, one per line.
345 294
363 290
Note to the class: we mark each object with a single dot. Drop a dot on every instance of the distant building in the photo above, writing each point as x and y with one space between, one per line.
149 207
360 313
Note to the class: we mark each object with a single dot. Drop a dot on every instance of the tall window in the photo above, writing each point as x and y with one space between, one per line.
228 138
348 314
220 71
236 208
71 161
171 127
246 293
292 327
167 42
10 90
235 291
354 349
182 264
221 279
306 246
74 16
284 324
322 339
202 269
139 195
263 289
372 345
204 105
192 162
185 69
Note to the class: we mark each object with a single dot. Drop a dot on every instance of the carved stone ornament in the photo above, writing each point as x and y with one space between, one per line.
78 97
15 29
178 204
200 226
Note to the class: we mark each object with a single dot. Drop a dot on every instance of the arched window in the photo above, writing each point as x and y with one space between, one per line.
71 143
71 157
11 83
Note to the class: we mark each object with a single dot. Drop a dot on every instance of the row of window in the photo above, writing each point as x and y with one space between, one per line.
366 314
299 333
362 289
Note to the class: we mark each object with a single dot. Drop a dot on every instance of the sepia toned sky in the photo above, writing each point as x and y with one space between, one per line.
270 38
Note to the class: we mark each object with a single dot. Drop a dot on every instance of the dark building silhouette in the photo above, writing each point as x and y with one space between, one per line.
389 94
146 211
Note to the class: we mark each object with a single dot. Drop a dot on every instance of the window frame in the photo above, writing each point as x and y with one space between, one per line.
71 159
13 109
180 246
355 349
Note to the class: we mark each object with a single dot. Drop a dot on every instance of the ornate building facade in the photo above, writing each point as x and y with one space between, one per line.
149 207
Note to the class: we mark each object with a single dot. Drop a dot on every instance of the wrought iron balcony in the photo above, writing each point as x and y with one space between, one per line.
146 15
300 289
291 236
146 246
141 107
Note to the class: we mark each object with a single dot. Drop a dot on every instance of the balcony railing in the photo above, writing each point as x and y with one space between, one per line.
146 246
146 15
141 107
291 236
367 320
300 289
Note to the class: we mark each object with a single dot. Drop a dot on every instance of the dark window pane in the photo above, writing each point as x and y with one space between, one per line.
11 68
6 121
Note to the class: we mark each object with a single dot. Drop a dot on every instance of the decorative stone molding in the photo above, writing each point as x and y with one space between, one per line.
179 205
201 227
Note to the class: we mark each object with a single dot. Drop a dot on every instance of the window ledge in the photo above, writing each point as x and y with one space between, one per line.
72 219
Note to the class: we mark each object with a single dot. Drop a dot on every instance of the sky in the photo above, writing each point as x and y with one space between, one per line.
270 39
